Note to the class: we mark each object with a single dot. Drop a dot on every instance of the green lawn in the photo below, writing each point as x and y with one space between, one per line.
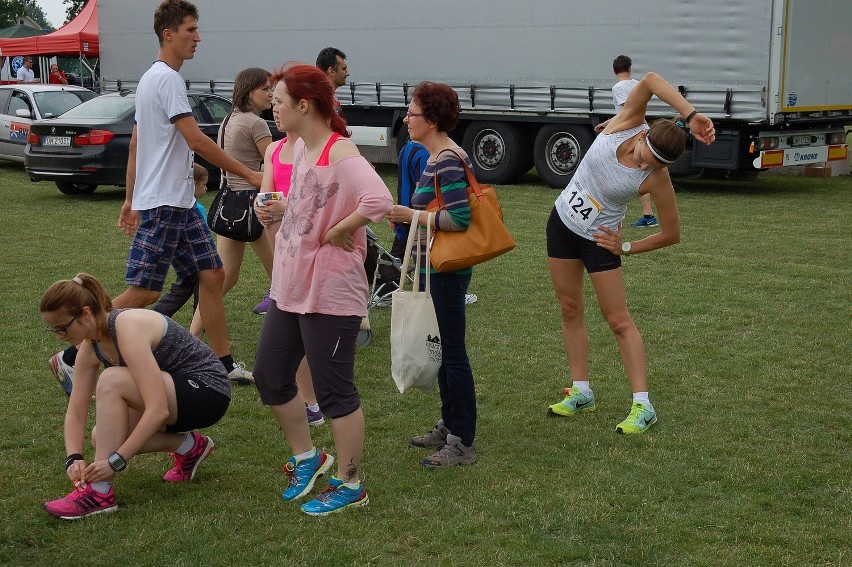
747 324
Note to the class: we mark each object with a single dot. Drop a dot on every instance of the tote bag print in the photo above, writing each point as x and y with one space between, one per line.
415 340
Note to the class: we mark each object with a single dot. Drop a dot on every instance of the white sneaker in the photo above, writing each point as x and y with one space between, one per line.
239 375
470 298
63 373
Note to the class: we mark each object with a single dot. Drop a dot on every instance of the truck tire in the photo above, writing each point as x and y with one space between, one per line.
557 151
494 149
68 188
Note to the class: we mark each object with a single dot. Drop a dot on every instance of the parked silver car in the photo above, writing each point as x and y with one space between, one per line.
21 104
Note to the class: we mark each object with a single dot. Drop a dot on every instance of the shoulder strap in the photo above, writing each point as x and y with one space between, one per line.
471 180
326 151
222 174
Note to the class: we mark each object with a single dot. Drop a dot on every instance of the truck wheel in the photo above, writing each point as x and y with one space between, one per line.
68 188
493 149
557 151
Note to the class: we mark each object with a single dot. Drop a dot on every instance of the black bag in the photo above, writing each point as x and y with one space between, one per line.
232 213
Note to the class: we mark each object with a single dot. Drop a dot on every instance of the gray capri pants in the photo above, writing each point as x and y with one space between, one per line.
328 342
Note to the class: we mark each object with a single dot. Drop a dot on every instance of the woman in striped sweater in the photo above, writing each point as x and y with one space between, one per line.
432 115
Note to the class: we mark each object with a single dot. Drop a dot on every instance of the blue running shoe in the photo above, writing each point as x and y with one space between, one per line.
646 222
336 498
303 474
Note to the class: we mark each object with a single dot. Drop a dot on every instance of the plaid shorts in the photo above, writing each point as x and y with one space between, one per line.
169 236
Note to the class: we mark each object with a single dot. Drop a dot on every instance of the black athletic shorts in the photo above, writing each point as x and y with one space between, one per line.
564 244
198 406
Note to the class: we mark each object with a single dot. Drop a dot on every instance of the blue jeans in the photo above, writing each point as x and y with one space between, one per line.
455 378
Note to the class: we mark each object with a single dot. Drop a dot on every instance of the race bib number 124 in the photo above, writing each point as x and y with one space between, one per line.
583 209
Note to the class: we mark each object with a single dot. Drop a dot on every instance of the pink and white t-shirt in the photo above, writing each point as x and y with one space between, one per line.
308 277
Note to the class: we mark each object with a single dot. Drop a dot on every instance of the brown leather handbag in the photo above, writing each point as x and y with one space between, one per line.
486 236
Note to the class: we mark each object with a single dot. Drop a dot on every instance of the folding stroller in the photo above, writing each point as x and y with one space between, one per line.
383 272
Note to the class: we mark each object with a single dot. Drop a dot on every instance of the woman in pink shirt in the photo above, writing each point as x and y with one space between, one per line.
319 289
277 176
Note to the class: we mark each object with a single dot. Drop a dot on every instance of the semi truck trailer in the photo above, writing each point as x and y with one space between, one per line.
535 77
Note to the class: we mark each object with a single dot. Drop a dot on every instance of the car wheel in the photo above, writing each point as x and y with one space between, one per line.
68 188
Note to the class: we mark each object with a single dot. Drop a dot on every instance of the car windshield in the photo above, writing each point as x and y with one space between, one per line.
107 107
53 103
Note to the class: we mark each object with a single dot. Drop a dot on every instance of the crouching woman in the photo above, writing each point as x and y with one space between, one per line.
159 384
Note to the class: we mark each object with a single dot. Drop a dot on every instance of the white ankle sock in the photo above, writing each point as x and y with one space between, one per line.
583 386
187 445
101 487
309 455
642 397
313 407
352 485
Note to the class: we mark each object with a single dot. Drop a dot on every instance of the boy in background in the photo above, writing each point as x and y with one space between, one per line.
182 289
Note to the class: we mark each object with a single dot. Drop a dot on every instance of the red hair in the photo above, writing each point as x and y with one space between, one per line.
309 83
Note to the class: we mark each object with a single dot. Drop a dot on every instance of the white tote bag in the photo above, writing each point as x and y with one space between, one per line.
415 340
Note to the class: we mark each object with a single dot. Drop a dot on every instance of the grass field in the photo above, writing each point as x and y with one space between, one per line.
747 325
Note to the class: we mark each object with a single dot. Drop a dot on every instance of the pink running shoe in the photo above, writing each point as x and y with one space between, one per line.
186 465
81 502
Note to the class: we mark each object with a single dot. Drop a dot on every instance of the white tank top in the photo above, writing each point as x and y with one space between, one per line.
598 193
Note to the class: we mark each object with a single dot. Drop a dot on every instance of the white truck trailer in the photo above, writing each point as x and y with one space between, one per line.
534 76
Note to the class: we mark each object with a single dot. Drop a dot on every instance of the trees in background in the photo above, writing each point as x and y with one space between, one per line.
11 9
73 8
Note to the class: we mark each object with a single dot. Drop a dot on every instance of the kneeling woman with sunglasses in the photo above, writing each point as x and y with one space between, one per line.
159 384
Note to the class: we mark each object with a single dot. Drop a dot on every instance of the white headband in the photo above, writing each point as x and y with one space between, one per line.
655 152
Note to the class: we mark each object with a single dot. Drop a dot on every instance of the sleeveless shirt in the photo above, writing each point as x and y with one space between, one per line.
282 173
179 352
609 183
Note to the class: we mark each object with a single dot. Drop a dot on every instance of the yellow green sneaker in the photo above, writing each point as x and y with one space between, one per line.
641 419
574 402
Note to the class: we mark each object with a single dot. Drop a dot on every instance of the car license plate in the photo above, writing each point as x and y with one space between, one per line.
801 140
56 141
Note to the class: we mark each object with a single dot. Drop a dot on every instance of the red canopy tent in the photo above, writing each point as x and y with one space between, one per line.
79 36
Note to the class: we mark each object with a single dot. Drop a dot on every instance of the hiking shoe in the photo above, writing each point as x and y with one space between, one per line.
262 307
336 498
646 222
434 439
240 376
314 417
63 372
640 420
186 465
470 298
452 454
304 473
81 502
574 402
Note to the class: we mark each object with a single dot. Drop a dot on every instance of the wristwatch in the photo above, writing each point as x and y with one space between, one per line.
116 461
625 248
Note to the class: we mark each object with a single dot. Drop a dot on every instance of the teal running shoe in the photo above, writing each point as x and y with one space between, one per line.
304 473
336 498
574 402
641 419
